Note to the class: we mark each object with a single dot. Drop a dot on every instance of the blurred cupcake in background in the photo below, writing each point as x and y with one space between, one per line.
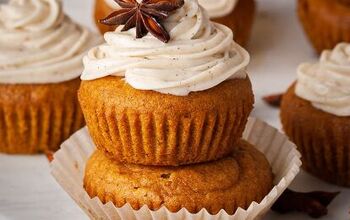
315 114
236 14
40 62
326 22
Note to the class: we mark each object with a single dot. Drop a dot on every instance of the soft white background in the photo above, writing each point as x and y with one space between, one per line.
27 191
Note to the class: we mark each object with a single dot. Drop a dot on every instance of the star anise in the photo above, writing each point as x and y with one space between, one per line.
274 100
312 203
146 16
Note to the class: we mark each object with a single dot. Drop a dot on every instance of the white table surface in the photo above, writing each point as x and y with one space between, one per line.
27 190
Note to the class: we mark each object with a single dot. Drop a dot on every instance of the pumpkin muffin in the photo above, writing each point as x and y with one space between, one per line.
167 103
326 22
235 181
236 14
315 114
40 64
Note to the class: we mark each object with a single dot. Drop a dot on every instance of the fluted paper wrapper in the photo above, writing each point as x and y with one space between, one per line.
69 164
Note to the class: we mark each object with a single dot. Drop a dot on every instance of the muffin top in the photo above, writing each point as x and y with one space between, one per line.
326 84
199 55
229 183
39 43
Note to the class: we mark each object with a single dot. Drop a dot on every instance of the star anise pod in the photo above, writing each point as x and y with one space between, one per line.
274 100
312 203
146 16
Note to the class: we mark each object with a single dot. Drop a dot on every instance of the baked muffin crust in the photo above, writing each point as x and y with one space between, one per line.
229 183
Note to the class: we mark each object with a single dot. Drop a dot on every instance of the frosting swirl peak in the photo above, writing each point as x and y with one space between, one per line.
327 84
39 44
199 56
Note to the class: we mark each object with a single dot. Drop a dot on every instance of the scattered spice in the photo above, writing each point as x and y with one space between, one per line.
312 203
145 16
49 155
274 100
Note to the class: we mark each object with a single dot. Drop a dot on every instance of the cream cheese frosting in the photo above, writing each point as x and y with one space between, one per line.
218 8
326 84
199 55
40 44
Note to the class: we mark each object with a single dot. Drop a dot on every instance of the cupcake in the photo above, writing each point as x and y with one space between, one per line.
40 63
234 181
154 103
315 115
236 14
326 22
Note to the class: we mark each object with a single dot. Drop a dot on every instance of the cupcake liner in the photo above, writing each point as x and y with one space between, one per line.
157 138
69 164
40 122
324 31
323 157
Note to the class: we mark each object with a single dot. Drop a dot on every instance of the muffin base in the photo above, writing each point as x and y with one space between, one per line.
322 138
150 128
236 181
325 22
240 20
36 118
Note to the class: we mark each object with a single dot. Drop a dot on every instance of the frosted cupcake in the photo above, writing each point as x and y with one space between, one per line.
236 14
154 103
316 115
40 63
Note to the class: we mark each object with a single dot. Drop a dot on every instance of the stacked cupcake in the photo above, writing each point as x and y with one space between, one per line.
166 100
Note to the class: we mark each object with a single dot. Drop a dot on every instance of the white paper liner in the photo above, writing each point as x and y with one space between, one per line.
69 164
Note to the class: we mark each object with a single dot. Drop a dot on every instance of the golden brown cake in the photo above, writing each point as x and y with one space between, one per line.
37 118
235 181
240 20
147 127
326 22
321 137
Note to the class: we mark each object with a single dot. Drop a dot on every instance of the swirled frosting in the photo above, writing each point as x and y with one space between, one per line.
39 44
327 84
218 8
199 55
